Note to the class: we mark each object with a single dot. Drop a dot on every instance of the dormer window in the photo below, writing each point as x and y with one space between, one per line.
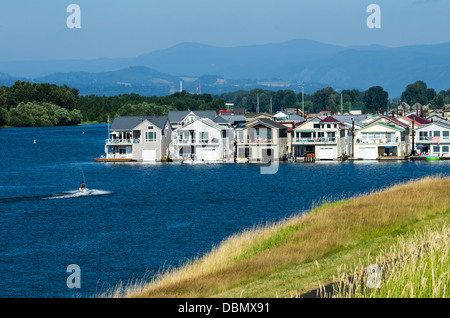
150 128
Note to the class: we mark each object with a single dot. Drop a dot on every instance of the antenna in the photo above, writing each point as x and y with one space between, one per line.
199 89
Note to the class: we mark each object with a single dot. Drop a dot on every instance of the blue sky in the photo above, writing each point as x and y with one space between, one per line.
37 30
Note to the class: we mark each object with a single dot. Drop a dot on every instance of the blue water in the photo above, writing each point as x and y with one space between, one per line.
143 216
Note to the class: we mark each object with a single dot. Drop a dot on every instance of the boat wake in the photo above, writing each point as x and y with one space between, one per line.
62 195
77 193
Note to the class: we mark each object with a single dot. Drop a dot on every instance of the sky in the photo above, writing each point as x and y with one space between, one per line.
37 30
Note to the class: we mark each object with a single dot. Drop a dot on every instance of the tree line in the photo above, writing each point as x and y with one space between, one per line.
42 104
375 99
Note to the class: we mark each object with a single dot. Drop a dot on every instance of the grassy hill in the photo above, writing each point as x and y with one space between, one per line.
299 254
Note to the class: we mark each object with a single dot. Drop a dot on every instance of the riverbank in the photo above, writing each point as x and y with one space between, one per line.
291 257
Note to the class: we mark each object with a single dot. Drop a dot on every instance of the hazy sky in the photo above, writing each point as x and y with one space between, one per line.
31 29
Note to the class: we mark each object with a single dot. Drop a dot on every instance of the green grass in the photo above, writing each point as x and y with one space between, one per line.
291 257
416 266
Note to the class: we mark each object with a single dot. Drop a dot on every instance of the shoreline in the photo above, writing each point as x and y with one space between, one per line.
290 257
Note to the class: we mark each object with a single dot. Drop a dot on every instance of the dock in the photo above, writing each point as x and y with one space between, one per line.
114 160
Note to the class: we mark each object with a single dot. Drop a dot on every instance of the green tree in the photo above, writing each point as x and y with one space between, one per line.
418 92
437 102
4 117
75 117
324 98
375 98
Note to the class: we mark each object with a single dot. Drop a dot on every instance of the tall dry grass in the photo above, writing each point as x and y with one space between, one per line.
257 253
417 266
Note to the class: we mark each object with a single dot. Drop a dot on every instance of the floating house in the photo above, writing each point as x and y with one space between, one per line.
323 139
383 137
433 139
203 140
183 117
262 140
139 138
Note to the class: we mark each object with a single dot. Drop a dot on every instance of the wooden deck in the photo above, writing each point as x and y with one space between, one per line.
114 160
392 158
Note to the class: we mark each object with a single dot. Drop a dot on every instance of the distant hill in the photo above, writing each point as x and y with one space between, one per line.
148 82
293 61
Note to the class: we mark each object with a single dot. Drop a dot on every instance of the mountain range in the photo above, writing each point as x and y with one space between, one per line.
284 65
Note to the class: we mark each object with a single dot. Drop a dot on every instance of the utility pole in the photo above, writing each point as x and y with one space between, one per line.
303 102
413 152
257 103
353 139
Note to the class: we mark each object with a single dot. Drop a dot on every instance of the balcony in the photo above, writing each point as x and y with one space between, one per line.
377 141
113 142
321 140
255 141
196 142
445 139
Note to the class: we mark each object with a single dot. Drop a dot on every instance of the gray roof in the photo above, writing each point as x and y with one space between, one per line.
177 116
438 123
129 122
349 118
267 122
220 120
296 118
233 118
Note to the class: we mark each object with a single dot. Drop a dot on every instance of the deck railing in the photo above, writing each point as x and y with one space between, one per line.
122 141
315 140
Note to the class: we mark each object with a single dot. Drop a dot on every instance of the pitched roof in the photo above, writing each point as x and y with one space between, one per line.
220 120
205 121
349 118
382 124
418 119
233 118
129 122
330 119
265 121
179 115
393 119
438 123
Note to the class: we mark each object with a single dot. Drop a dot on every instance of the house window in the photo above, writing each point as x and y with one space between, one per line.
445 134
269 133
436 149
124 150
150 128
445 149
257 132
329 126
437 133
203 136
150 136
390 137
240 135
316 126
